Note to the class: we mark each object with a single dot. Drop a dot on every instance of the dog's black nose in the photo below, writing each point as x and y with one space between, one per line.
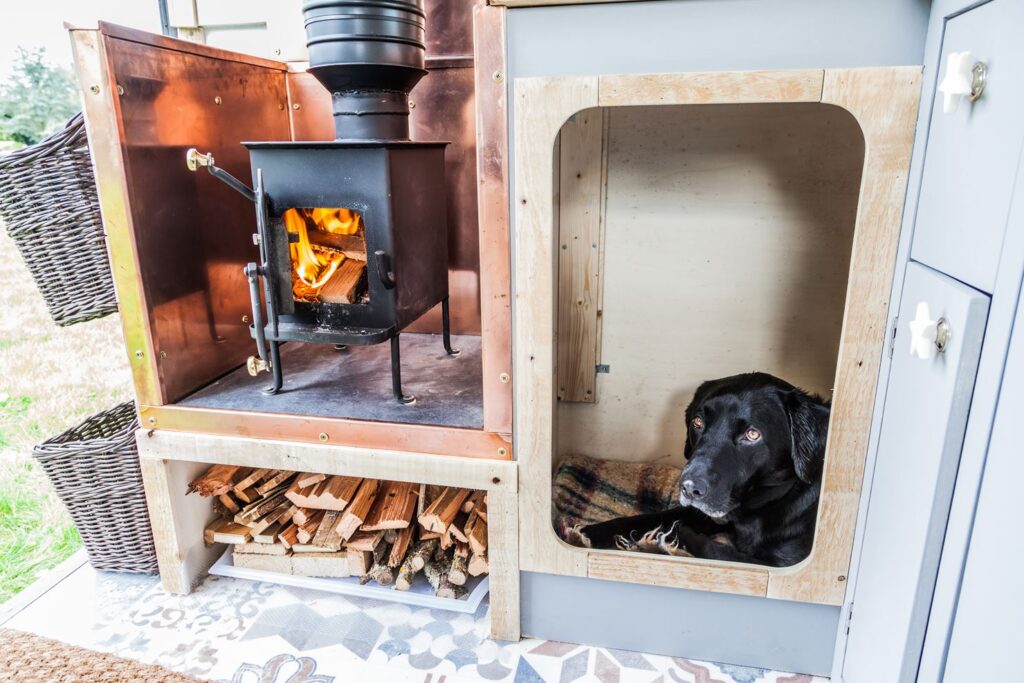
695 488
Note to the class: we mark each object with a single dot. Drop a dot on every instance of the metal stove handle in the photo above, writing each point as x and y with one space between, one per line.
194 159
384 272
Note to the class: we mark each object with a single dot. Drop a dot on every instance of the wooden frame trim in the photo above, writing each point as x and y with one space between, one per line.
436 440
884 102
179 542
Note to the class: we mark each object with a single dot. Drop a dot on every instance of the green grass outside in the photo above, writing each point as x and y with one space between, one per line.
51 378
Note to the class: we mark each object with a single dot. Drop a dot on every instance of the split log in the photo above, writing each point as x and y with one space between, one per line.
326 529
481 509
459 571
270 534
308 528
478 565
251 479
261 507
210 529
457 526
247 495
215 481
476 533
279 564
353 246
307 548
302 515
344 285
289 536
365 540
414 561
229 502
379 569
358 509
359 562
429 535
261 549
230 532
441 512
273 482
447 540
282 512
400 546
333 493
475 499
436 571
309 479
326 565
393 508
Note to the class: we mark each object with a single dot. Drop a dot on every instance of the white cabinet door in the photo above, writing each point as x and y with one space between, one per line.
926 407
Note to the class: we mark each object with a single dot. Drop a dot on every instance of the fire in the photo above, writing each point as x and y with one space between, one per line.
313 264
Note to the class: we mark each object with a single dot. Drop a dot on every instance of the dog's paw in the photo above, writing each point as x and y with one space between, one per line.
575 536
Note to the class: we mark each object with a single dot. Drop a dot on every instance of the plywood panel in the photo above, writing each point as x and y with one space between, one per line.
581 172
728 238
708 576
720 87
542 106
884 100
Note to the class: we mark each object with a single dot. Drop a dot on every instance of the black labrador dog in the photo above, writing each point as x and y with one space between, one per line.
754 448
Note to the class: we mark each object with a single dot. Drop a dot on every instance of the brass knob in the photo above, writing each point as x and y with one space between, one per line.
194 159
256 365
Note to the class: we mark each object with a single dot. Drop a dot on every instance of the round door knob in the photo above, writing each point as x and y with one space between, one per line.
927 335
964 78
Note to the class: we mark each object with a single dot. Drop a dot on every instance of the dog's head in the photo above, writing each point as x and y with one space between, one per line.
748 435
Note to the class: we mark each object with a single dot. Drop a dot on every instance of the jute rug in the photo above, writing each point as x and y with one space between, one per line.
28 658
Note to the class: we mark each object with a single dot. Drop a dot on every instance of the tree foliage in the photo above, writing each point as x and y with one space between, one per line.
37 99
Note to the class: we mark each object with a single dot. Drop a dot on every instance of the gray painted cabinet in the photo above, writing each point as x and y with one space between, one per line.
972 153
926 411
988 630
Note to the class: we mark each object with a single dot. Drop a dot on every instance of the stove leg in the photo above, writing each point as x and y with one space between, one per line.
446 329
275 369
396 374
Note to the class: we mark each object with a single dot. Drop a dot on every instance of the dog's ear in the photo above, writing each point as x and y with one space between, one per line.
808 425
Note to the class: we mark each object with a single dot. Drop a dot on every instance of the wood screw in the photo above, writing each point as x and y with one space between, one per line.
504 378
245 319
502 452
120 89
842 578
324 436
163 355
496 480
498 77
151 421
94 89
296 106
217 100
139 354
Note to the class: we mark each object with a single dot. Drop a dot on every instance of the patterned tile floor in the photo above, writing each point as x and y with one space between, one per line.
244 632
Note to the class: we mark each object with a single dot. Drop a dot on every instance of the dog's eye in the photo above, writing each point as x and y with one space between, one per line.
752 435
697 423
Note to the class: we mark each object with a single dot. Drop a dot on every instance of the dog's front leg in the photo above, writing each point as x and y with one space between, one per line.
605 535
707 548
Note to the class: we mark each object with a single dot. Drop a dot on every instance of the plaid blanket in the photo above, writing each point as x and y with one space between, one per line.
586 491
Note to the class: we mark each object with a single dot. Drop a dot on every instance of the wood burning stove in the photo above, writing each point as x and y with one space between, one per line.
352 232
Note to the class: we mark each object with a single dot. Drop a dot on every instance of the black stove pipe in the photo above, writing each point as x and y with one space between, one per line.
369 54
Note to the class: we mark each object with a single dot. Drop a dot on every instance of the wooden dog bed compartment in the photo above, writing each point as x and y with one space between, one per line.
693 226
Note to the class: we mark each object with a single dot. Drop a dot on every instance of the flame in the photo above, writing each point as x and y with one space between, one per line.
314 265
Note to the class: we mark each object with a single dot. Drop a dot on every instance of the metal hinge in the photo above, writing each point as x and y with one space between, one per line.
892 334
849 617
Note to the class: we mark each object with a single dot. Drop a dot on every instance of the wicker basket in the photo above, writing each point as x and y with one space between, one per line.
48 201
95 469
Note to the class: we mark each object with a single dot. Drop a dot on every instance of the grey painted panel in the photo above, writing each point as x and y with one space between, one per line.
919 448
972 153
989 626
715 35
733 629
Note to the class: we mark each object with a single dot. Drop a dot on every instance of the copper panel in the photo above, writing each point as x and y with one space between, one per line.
310 107
193 234
470 443
449 28
100 104
495 262
445 110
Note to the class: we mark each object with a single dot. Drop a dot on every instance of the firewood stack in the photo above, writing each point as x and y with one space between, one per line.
310 524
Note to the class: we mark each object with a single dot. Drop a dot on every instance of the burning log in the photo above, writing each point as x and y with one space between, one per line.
352 246
442 511
345 285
